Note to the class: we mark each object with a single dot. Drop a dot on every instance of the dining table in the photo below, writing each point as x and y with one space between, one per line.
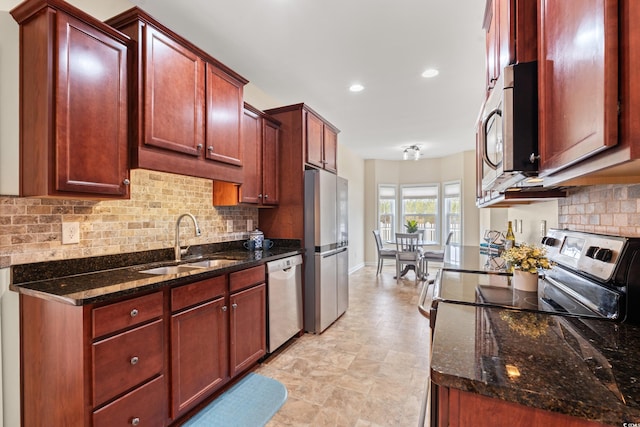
424 263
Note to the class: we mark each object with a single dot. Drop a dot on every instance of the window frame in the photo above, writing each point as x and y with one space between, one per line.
394 225
438 213
457 237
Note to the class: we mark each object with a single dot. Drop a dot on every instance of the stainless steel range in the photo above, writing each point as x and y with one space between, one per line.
594 276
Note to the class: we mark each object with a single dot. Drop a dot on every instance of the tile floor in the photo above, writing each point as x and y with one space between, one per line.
367 369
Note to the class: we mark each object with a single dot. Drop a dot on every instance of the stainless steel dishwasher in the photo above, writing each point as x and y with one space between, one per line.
284 288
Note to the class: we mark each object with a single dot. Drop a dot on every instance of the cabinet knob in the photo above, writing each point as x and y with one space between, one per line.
134 360
260 196
135 421
266 196
234 305
134 312
199 147
210 148
224 308
126 181
533 157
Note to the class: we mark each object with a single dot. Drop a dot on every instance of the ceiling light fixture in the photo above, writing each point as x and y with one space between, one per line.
411 152
357 87
430 72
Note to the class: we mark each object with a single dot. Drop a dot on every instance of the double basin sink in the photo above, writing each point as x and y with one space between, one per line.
184 268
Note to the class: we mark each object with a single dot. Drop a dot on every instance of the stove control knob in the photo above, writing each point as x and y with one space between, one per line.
604 255
591 251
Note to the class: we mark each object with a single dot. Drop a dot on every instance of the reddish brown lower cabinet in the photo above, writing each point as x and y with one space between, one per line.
457 408
147 360
71 376
248 338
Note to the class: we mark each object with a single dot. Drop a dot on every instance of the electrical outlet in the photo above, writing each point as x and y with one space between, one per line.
249 225
70 233
229 226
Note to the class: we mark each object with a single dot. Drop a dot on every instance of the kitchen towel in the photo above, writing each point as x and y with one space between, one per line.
251 402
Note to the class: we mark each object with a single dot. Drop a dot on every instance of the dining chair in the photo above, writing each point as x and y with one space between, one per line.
437 256
383 253
408 255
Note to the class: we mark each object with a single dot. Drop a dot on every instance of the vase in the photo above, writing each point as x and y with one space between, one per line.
525 281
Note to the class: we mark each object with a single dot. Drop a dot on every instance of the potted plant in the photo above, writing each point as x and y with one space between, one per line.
524 262
411 226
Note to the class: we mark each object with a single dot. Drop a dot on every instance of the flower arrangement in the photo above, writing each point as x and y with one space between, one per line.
526 258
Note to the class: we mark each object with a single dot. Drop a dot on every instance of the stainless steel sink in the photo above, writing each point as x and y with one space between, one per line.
171 269
212 263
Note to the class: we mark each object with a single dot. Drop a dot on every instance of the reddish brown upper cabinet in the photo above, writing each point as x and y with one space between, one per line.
261 142
188 106
578 80
511 30
73 103
321 142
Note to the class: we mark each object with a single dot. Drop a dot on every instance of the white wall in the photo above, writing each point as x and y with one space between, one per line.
351 167
460 166
9 113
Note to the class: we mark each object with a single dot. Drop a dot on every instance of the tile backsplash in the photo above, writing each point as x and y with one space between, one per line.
31 228
607 209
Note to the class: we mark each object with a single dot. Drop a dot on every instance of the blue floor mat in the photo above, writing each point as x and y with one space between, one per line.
249 403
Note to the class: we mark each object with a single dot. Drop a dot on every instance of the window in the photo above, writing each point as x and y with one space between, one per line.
420 203
387 211
453 211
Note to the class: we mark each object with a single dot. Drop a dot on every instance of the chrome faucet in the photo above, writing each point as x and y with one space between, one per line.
179 252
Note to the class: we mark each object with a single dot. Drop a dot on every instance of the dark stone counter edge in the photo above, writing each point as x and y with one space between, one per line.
75 286
531 399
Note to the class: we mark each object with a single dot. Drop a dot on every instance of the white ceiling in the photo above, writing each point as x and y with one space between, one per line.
311 51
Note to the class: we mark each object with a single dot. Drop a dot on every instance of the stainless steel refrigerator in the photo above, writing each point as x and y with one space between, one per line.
326 241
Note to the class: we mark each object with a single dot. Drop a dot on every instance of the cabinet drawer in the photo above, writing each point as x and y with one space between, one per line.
245 278
121 315
125 360
144 406
198 292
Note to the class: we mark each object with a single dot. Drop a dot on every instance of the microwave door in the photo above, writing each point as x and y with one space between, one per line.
491 146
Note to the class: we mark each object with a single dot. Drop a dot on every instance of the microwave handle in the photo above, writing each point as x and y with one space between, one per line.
483 136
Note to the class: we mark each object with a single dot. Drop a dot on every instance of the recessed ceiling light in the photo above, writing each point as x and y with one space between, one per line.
357 87
430 72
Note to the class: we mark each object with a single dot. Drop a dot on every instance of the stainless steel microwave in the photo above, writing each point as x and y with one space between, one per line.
509 130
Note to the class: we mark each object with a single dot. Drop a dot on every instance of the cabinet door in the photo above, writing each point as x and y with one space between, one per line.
330 148
251 141
91 105
578 80
224 117
491 23
315 133
199 358
270 159
248 327
173 95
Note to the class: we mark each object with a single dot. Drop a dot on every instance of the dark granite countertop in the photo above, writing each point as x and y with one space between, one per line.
582 368
472 258
99 279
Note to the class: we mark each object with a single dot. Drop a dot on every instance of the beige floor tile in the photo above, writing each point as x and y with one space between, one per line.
367 370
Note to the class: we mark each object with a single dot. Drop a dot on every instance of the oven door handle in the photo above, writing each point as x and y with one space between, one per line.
422 308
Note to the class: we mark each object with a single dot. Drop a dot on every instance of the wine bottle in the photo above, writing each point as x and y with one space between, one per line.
510 238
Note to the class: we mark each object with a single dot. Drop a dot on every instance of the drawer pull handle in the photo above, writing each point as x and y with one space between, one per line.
134 312
134 360
135 421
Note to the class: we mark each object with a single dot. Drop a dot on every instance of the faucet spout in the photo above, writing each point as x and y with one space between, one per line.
177 250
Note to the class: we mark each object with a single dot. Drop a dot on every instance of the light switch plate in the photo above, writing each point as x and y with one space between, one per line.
249 225
70 233
229 226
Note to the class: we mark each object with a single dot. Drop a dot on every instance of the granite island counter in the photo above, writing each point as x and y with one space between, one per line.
505 367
